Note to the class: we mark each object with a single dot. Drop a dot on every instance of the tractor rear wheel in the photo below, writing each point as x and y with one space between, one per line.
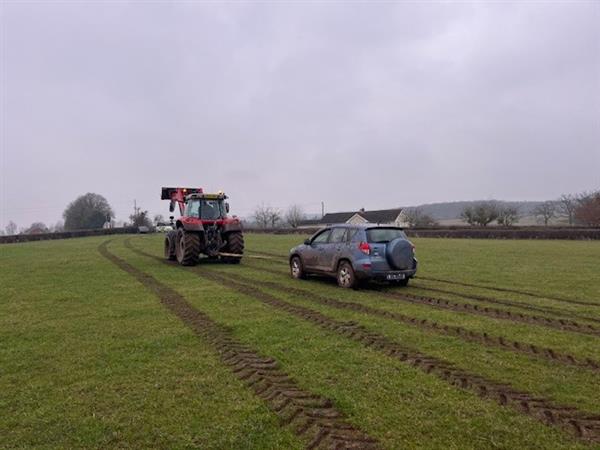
235 245
187 247
170 240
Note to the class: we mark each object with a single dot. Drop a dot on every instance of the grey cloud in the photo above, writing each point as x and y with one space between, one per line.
363 104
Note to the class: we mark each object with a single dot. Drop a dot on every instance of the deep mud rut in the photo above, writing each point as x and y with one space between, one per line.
312 417
578 423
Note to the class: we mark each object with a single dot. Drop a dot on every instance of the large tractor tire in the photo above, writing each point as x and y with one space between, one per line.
170 242
235 245
187 247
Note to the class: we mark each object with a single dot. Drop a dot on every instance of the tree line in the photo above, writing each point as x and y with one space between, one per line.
91 211
88 211
578 209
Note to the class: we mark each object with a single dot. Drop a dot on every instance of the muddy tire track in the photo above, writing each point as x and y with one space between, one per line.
513 291
562 324
430 325
563 315
578 423
471 285
314 418
495 313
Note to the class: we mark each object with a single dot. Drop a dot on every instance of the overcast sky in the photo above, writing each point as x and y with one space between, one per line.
357 105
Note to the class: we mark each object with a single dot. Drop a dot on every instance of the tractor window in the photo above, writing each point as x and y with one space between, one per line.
211 209
192 208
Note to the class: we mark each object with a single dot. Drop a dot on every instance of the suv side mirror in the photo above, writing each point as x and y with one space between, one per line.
226 206
307 242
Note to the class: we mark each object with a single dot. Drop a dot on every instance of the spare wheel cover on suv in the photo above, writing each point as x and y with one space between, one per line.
399 254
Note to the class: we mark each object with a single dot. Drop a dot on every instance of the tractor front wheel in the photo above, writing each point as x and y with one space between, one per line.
170 242
187 249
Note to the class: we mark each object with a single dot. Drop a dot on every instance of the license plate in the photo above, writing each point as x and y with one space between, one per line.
395 276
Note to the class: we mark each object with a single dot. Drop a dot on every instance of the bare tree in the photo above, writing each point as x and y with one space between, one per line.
567 203
261 216
274 217
11 228
482 213
140 219
416 218
294 215
545 211
158 218
266 216
507 216
588 209
57 227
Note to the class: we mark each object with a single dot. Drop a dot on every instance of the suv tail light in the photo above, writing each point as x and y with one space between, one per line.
365 248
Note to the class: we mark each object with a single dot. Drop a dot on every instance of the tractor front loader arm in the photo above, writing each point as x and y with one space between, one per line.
177 195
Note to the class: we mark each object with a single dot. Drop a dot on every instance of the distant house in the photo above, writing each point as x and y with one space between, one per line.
37 229
382 216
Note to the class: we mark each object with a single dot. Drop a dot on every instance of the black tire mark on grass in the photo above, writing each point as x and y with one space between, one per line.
578 423
495 313
472 285
546 310
449 330
312 417
564 315
513 291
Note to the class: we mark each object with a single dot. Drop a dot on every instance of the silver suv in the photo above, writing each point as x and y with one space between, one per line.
353 253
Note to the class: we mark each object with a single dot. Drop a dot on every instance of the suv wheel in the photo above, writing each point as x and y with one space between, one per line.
345 275
296 268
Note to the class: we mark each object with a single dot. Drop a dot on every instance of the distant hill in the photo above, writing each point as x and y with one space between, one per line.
452 210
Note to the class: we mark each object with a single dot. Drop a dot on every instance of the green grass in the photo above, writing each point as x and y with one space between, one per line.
90 359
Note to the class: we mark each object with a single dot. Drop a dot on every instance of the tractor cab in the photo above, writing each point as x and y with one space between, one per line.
206 206
203 227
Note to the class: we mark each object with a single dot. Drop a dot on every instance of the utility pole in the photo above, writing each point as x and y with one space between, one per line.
322 209
135 211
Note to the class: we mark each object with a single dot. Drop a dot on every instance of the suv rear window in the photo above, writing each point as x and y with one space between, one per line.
381 235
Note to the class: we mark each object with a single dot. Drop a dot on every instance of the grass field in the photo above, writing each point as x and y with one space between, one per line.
103 344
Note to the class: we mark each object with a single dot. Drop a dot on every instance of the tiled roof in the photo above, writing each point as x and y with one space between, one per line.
382 215
337 217
378 216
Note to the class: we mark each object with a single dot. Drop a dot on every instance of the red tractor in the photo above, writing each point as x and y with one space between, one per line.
203 228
